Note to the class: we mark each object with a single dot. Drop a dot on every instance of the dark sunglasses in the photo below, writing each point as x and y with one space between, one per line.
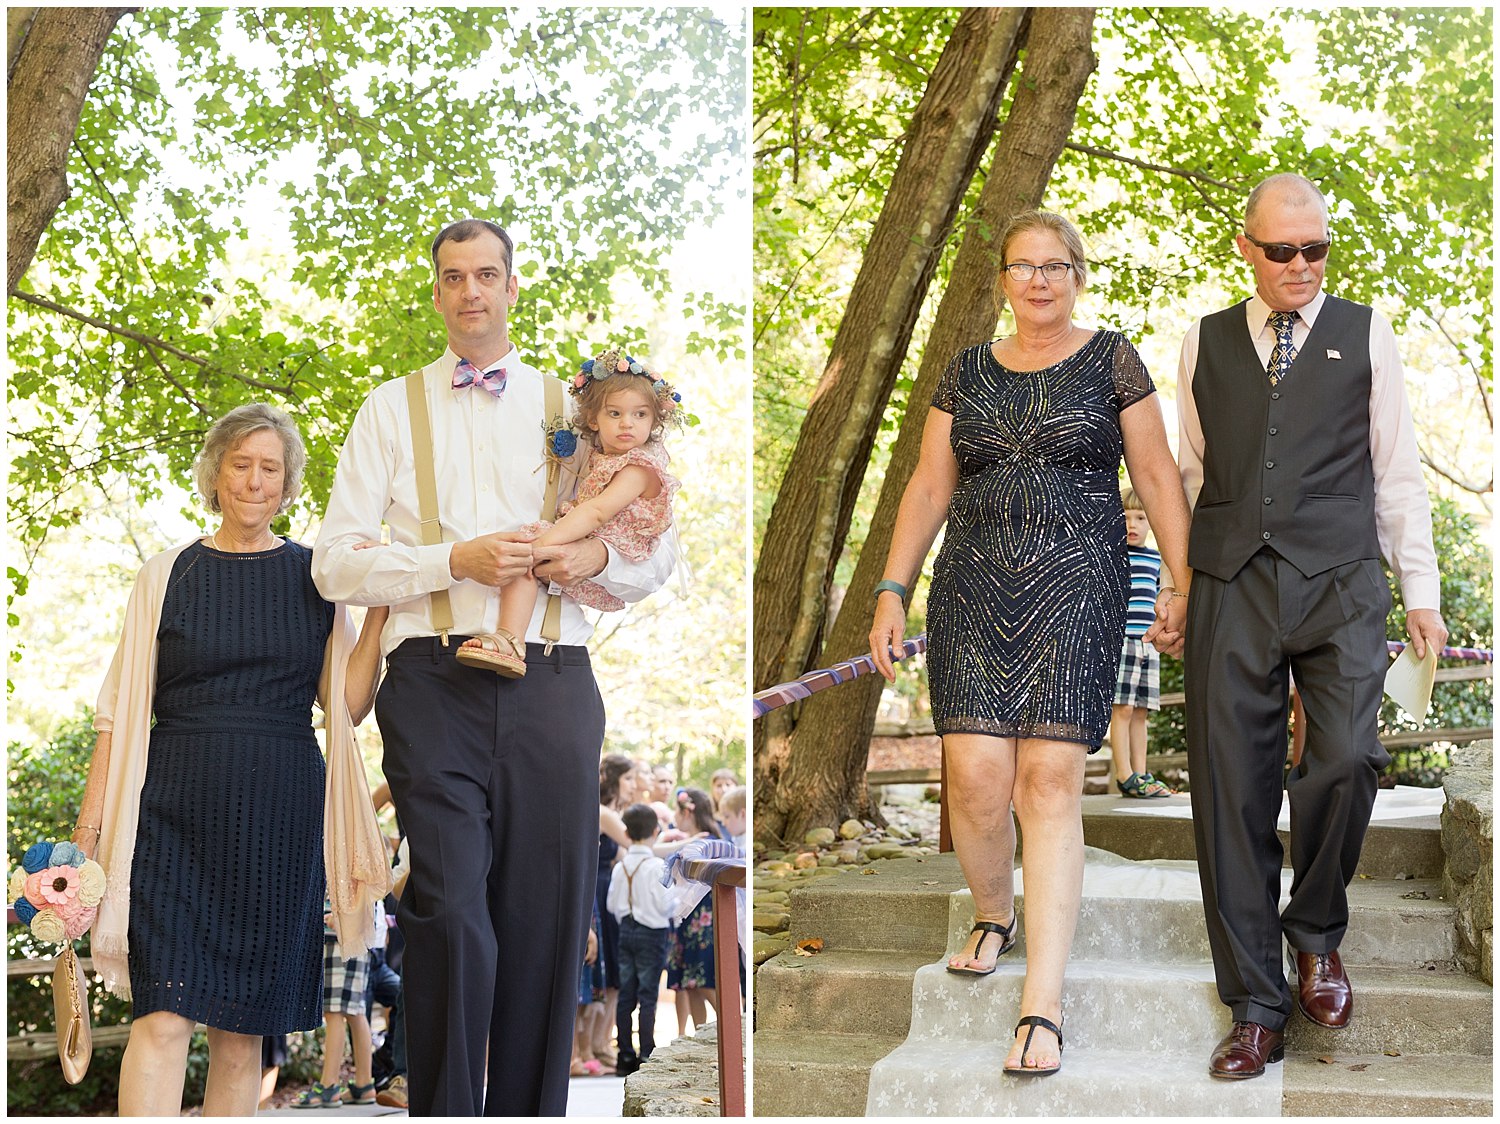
1281 252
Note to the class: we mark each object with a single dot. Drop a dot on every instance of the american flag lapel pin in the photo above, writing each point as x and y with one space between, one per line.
1332 354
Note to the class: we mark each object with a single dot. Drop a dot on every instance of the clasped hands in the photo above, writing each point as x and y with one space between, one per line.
1168 633
500 558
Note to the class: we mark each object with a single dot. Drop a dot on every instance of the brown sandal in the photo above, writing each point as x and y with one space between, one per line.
490 652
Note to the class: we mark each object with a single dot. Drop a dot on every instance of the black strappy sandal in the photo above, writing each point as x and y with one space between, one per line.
1034 1021
1007 942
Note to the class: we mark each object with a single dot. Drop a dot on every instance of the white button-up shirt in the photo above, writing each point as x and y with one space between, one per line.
490 477
641 895
1403 513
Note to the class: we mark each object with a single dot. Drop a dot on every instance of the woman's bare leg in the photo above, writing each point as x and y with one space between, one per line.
980 774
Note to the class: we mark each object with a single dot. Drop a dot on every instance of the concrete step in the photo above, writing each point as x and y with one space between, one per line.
1412 1011
809 1073
848 992
1407 845
907 906
1376 1085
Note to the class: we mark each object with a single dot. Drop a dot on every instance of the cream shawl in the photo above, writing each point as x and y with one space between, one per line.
353 851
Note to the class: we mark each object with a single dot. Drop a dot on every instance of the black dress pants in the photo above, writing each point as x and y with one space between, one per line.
1242 637
497 784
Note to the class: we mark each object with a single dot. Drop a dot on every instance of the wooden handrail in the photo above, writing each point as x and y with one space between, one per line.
726 977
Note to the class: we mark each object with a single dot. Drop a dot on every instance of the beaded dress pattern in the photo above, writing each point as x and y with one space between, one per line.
1026 614
226 916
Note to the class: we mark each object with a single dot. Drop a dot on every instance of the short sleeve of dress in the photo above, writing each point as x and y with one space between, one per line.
1132 380
652 456
946 395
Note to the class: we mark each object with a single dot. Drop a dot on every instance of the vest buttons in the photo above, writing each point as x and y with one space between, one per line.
1272 431
1270 464
1276 395
1265 534
1268 500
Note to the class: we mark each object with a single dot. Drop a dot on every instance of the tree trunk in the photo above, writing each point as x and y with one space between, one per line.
949 133
50 73
823 779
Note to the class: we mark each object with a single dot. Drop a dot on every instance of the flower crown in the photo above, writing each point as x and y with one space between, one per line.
615 362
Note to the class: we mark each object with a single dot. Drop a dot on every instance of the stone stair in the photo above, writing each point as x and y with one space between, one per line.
1421 1042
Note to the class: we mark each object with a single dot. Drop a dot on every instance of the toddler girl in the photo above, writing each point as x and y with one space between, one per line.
624 496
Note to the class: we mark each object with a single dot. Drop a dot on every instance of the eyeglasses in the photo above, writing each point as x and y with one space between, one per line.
1052 271
1282 252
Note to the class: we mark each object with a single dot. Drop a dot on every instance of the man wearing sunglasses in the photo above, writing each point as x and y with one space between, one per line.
1298 451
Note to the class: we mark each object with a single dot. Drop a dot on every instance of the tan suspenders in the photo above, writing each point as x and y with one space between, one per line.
427 499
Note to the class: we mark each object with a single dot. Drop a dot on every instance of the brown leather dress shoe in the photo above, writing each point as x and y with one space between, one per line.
1244 1051
1323 991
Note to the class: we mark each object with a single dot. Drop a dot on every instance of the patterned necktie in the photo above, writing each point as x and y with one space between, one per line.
1283 352
466 374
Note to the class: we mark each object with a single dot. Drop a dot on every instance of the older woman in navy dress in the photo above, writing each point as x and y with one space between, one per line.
1021 456
226 872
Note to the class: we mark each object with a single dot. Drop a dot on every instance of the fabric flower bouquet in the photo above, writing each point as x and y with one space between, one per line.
57 891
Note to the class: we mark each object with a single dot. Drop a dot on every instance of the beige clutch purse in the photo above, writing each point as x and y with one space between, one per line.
75 1036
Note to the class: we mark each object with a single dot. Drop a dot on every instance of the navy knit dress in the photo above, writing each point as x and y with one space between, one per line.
226 886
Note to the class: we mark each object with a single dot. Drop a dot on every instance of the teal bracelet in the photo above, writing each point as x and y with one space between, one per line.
895 587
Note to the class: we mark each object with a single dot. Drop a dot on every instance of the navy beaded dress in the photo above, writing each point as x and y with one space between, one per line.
1026 613
226 885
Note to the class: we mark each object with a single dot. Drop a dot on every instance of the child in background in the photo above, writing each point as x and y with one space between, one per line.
624 497
346 983
690 956
1138 688
638 899
732 815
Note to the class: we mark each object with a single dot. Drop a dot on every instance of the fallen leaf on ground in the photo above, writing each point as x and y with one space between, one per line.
1361 1067
1326 1060
869 870
1393 1053
809 946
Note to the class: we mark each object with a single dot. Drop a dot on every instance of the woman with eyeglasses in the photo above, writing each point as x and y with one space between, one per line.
1021 457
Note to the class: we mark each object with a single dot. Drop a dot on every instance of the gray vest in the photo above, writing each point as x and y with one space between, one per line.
1285 467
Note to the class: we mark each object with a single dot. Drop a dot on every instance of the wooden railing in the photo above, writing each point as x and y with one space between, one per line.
727 977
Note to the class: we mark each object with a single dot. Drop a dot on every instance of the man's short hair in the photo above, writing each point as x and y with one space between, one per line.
1288 184
640 822
734 801
465 229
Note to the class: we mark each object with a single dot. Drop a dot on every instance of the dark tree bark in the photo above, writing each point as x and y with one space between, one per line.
949 133
822 779
52 61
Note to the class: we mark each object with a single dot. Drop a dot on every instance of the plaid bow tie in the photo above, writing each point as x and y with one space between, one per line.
466 374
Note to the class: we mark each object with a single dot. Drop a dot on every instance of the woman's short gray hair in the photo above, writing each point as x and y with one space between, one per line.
226 434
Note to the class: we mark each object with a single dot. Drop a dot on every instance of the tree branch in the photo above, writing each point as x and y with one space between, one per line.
1186 173
149 342
1476 489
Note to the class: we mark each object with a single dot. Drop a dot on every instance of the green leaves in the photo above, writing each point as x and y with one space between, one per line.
254 192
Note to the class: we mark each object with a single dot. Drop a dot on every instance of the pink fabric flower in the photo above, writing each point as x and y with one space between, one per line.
580 380
76 918
34 889
59 885
622 366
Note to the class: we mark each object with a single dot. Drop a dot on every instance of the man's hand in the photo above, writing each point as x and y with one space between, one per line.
569 562
1426 627
494 560
1167 633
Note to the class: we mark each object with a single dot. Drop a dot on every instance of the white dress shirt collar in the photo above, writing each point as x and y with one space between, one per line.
1258 313
451 359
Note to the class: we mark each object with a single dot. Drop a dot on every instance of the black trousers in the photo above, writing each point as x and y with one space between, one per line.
1243 635
497 783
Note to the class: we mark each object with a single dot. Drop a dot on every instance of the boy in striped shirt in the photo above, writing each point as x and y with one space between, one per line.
1138 688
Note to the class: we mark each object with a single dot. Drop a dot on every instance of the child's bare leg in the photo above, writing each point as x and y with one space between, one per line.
359 1031
1138 739
333 1047
1120 747
504 651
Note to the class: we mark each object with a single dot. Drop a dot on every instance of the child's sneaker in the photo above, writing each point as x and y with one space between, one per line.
359 1094
394 1094
1144 786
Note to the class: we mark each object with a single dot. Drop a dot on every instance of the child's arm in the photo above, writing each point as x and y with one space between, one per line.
587 517
617 901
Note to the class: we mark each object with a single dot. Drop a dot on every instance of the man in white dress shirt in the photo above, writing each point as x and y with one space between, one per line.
495 779
1298 451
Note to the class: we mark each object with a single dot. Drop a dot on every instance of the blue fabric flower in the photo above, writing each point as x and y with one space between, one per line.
636 368
564 442
676 397
67 853
588 366
38 857
25 911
